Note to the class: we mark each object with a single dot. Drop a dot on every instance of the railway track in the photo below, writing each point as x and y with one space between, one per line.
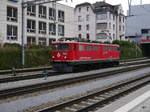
62 82
101 98
40 75
24 70
26 77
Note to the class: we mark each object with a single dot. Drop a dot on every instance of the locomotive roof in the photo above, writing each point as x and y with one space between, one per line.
83 43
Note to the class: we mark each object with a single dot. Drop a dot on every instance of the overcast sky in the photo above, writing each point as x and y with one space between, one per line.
124 3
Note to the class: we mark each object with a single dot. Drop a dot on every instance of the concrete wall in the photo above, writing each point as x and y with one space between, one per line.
138 20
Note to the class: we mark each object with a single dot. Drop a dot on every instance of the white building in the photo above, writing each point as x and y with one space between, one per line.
100 21
42 23
138 22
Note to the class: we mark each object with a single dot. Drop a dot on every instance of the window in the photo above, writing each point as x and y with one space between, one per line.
116 49
61 47
52 29
101 16
88 48
101 36
79 27
119 27
81 47
61 16
12 14
13 0
51 40
123 19
87 36
105 48
79 9
101 25
12 32
114 36
61 30
110 49
114 17
122 28
52 14
95 48
147 37
87 17
79 19
31 10
87 27
113 27
110 36
109 15
42 11
42 41
109 25
120 19
31 26
80 36
144 31
31 40
42 27
87 8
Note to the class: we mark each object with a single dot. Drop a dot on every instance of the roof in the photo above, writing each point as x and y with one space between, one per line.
84 4
58 42
100 7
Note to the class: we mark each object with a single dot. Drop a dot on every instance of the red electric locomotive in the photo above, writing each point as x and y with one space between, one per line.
68 55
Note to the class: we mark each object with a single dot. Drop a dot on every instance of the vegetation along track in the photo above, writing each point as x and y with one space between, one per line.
62 82
101 98
39 75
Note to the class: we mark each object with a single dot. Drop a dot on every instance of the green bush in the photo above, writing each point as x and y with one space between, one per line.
12 45
129 50
11 57
37 57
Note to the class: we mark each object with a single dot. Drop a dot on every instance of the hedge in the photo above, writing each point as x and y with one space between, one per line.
129 50
11 57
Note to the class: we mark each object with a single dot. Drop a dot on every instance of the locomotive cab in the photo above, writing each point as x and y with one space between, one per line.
62 54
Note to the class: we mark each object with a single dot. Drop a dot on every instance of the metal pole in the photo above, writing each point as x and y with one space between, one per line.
129 4
23 37
141 2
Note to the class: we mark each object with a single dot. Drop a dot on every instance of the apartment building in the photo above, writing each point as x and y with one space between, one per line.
42 23
100 21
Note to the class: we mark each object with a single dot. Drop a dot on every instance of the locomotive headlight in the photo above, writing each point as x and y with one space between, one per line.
65 57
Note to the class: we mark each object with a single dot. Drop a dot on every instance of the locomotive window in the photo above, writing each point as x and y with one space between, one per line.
88 48
115 49
95 48
110 48
104 48
118 49
81 48
61 47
